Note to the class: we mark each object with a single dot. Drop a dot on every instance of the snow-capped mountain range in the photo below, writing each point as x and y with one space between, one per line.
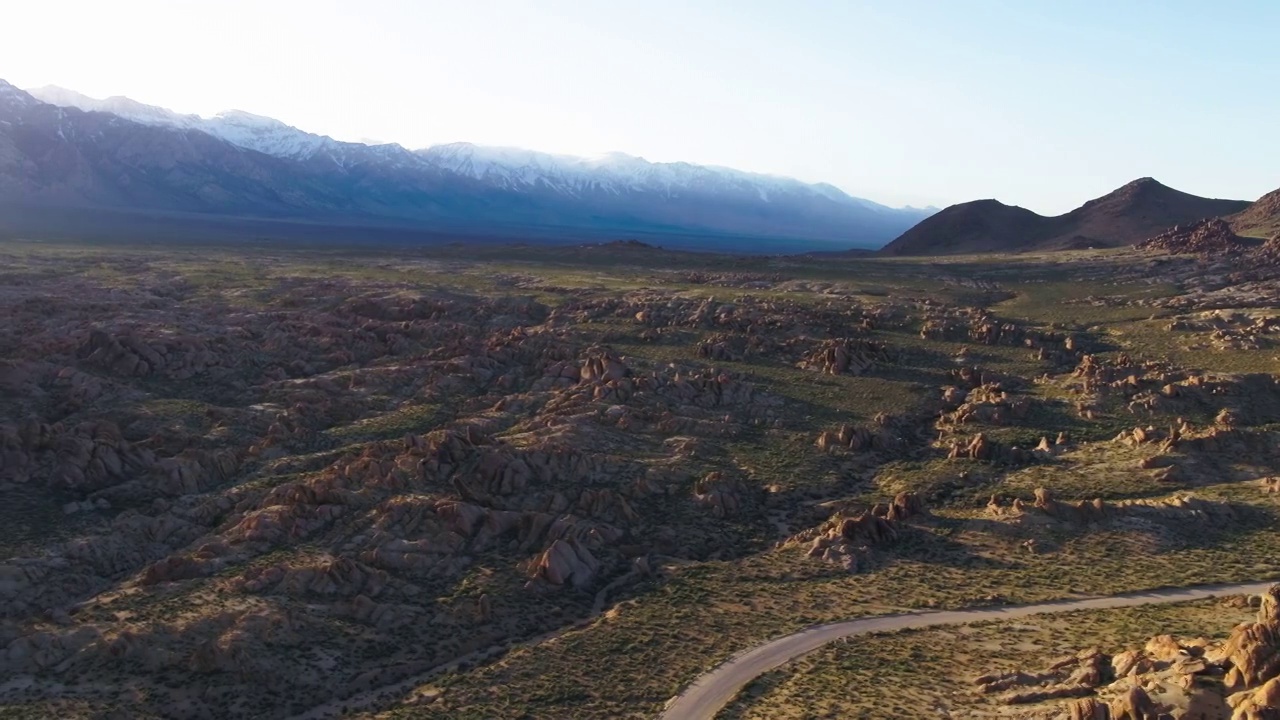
616 173
509 168
467 183
246 130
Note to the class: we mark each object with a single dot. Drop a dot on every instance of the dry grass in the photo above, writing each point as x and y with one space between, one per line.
927 673
657 635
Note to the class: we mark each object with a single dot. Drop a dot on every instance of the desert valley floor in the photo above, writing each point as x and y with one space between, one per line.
518 482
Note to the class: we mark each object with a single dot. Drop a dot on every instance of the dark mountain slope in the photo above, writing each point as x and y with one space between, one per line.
978 226
1132 213
1137 211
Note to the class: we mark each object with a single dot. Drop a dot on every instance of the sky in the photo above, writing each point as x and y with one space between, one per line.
924 102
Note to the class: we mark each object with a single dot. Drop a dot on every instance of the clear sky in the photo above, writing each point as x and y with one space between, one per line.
1039 103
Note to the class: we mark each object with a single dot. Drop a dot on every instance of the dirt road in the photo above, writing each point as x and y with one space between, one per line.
713 690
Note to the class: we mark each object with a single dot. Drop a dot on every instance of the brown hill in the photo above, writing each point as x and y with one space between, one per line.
1261 219
1137 211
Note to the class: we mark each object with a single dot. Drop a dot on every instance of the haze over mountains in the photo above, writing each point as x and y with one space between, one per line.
66 158
61 149
1127 215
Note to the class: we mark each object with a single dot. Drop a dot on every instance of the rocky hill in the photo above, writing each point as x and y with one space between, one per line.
978 226
1134 212
1261 219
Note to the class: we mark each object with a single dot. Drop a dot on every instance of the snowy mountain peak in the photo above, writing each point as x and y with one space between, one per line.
617 173
12 96
264 134
116 105
244 129
60 96
619 158
240 117
263 166
614 174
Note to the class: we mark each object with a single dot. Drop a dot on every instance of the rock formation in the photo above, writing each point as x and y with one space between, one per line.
1169 678
1213 235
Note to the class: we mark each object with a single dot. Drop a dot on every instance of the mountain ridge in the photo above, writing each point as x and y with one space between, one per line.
247 165
613 162
1131 213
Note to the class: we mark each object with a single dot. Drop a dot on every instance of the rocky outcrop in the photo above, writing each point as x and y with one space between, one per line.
726 346
1167 679
326 577
987 404
127 354
978 326
844 356
979 447
567 562
886 433
44 650
1209 236
722 496
849 535
1181 509
85 457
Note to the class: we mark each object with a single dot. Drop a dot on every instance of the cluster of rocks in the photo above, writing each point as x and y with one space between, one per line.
987 404
1168 678
69 570
235 642
980 327
1154 388
567 562
729 346
1182 509
845 356
1122 371
745 280
327 576
175 357
1230 330
1209 236
85 457
969 377
849 535
1239 275
541 497
95 463
1165 439
62 390
886 433
1183 452
723 496
980 447
749 315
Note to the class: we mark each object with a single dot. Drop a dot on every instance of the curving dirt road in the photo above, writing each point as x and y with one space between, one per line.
713 690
